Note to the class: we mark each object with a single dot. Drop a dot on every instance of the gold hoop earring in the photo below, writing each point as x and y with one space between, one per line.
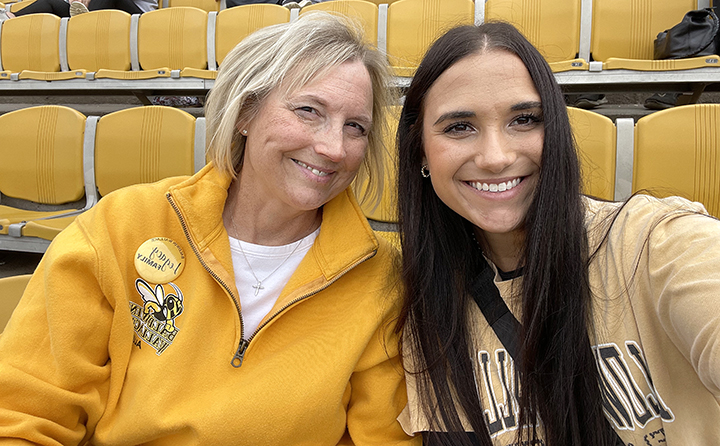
424 171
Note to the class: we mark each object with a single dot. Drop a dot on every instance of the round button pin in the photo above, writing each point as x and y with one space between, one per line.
159 260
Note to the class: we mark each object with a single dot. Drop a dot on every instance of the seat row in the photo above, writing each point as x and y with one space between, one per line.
57 163
53 155
585 41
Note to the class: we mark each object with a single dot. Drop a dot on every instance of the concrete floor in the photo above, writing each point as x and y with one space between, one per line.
13 263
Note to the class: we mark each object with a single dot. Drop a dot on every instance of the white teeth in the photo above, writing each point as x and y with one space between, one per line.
315 171
496 187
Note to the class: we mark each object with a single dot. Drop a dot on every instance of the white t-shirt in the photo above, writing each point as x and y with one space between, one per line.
260 284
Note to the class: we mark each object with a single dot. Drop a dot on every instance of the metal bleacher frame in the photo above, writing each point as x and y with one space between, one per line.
595 80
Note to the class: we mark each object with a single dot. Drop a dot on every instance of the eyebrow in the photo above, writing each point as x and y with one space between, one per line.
454 115
526 105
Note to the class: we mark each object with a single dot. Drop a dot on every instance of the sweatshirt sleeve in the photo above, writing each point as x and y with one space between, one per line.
54 360
684 274
379 394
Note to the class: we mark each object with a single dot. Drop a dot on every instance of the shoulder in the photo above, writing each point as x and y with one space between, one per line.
639 216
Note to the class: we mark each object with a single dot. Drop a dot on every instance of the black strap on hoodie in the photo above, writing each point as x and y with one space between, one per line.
501 320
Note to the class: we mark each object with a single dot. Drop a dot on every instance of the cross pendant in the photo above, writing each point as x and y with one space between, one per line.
258 286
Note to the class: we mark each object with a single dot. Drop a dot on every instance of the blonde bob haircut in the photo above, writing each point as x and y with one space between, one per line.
288 56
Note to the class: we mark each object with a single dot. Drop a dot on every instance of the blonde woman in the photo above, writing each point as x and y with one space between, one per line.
248 304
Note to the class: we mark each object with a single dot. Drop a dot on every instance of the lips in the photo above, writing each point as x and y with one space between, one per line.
314 170
495 187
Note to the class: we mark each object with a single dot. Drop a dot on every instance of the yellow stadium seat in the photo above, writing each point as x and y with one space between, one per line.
677 152
42 154
623 32
386 210
99 40
413 25
234 24
553 26
169 39
205 5
11 290
30 46
366 13
595 137
143 145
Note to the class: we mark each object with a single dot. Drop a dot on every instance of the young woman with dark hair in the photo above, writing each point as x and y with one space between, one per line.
618 303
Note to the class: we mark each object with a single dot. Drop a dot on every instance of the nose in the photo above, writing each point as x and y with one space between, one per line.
329 142
496 152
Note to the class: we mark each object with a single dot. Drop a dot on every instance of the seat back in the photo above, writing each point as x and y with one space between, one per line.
234 24
366 14
413 25
677 152
386 210
595 138
143 145
205 5
11 290
31 42
174 38
99 40
42 154
627 28
552 26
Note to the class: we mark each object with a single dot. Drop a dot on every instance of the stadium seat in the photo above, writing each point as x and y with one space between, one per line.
143 145
553 26
172 40
595 137
11 290
677 152
386 210
205 5
414 24
623 33
99 40
366 13
234 24
30 48
43 166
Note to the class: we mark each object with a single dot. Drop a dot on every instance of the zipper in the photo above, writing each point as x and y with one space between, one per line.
305 296
239 355
243 343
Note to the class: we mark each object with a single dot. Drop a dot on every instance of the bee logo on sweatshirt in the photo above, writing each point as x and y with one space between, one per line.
154 321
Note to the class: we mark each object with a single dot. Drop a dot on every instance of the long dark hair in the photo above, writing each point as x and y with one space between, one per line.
558 378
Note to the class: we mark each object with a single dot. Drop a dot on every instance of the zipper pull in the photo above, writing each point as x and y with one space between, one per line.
239 354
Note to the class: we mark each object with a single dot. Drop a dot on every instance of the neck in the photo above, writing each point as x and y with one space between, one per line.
504 250
254 221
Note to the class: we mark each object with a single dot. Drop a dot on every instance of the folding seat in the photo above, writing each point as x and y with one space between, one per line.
553 26
171 42
143 145
17 6
595 138
623 32
386 210
234 24
99 40
30 49
677 152
413 25
205 5
11 290
45 154
366 13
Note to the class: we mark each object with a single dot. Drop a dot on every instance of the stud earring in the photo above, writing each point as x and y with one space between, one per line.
244 132
424 171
